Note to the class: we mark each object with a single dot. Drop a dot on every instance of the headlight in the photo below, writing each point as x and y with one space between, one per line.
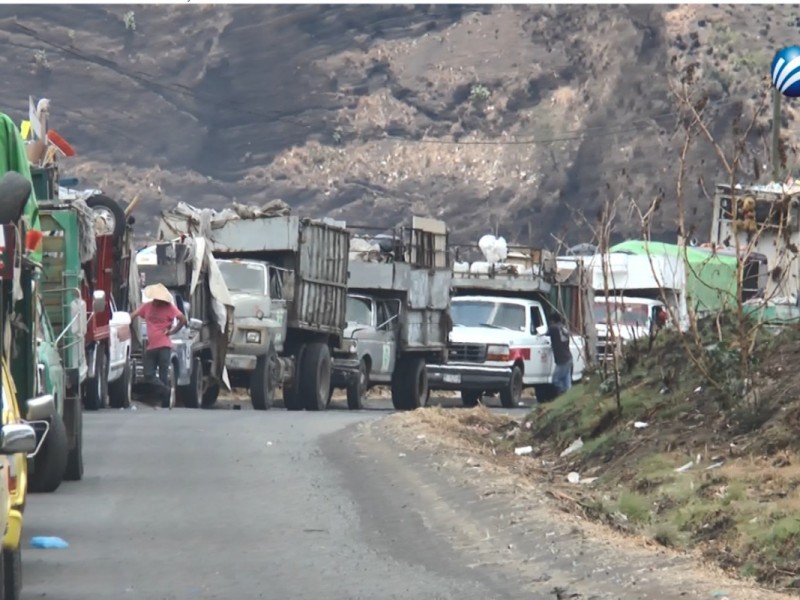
353 347
252 337
497 352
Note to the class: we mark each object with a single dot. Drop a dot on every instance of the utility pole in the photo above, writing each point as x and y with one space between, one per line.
776 134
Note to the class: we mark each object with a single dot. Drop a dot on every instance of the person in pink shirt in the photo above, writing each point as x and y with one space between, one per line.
159 317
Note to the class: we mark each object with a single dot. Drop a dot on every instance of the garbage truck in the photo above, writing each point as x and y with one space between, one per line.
288 281
398 311
188 270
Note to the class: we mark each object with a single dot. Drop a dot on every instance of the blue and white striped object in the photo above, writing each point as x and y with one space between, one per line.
786 71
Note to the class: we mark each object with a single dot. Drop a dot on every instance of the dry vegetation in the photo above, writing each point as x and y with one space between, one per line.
362 112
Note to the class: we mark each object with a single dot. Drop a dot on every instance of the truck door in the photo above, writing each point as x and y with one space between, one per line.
277 307
387 326
542 363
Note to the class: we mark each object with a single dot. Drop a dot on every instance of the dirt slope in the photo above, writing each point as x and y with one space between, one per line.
371 112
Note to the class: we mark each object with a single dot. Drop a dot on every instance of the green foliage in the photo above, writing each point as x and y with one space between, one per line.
479 94
129 18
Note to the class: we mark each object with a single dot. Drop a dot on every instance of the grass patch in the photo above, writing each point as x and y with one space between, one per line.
634 506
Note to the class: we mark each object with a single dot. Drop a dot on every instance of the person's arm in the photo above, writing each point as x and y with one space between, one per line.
181 321
140 312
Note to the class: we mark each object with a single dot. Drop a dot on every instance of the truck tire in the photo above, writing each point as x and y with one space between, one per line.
470 398
191 396
315 384
410 384
262 382
12 573
210 395
74 470
97 386
111 210
512 395
120 391
50 464
356 392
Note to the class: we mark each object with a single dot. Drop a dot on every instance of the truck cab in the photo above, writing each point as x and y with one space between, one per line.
631 319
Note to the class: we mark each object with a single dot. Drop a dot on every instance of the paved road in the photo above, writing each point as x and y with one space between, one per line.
234 504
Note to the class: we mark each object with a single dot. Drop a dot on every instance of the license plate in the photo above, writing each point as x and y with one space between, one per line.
452 378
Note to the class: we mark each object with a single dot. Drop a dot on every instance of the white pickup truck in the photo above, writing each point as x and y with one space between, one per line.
500 344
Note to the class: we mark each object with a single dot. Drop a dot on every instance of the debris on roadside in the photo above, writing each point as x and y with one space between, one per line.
523 450
573 447
48 542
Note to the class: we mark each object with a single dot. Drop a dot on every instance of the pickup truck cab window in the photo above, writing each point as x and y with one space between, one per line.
628 313
250 278
481 313
536 318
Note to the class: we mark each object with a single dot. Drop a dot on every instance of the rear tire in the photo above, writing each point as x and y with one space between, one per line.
410 384
262 382
97 386
74 470
12 573
470 398
120 391
512 395
357 391
210 395
50 464
191 396
315 384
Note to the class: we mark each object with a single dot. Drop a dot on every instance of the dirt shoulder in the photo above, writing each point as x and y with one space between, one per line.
514 514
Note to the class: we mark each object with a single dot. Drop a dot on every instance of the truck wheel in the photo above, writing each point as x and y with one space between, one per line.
97 386
410 384
210 395
74 470
12 573
120 391
315 384
357 391
50 463
470 398
191 396
111 211
511 396
262 382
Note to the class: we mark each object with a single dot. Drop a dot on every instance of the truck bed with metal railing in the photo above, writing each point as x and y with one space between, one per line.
526 271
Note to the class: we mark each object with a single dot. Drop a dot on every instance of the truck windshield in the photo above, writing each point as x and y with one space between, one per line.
622 313
475 313
359 311
244 277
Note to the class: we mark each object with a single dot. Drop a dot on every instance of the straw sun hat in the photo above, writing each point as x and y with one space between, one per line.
158 292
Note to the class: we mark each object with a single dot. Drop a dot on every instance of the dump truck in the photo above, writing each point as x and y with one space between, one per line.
398 311
191 274
288 280
499 343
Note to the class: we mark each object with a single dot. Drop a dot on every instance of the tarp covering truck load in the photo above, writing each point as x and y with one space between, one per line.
288 281
398 312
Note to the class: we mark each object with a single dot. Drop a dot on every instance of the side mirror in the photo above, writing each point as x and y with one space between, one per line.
121 318
41 408
195 324
17 438
98 301
541 330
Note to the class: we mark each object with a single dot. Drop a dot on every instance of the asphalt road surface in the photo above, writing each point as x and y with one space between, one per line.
235 504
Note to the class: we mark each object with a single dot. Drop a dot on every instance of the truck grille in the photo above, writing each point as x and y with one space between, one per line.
467 353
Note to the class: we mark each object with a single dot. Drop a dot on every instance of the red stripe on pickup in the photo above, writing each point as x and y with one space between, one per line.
521 353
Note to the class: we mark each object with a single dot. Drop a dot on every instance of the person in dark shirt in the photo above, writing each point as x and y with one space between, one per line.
559 342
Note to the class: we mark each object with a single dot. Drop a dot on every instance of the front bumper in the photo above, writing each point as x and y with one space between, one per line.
13 535
468 377
241 362
345 372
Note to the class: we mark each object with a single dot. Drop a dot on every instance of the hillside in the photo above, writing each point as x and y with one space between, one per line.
370 112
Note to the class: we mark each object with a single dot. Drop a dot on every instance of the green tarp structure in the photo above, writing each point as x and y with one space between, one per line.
13 157
710 277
